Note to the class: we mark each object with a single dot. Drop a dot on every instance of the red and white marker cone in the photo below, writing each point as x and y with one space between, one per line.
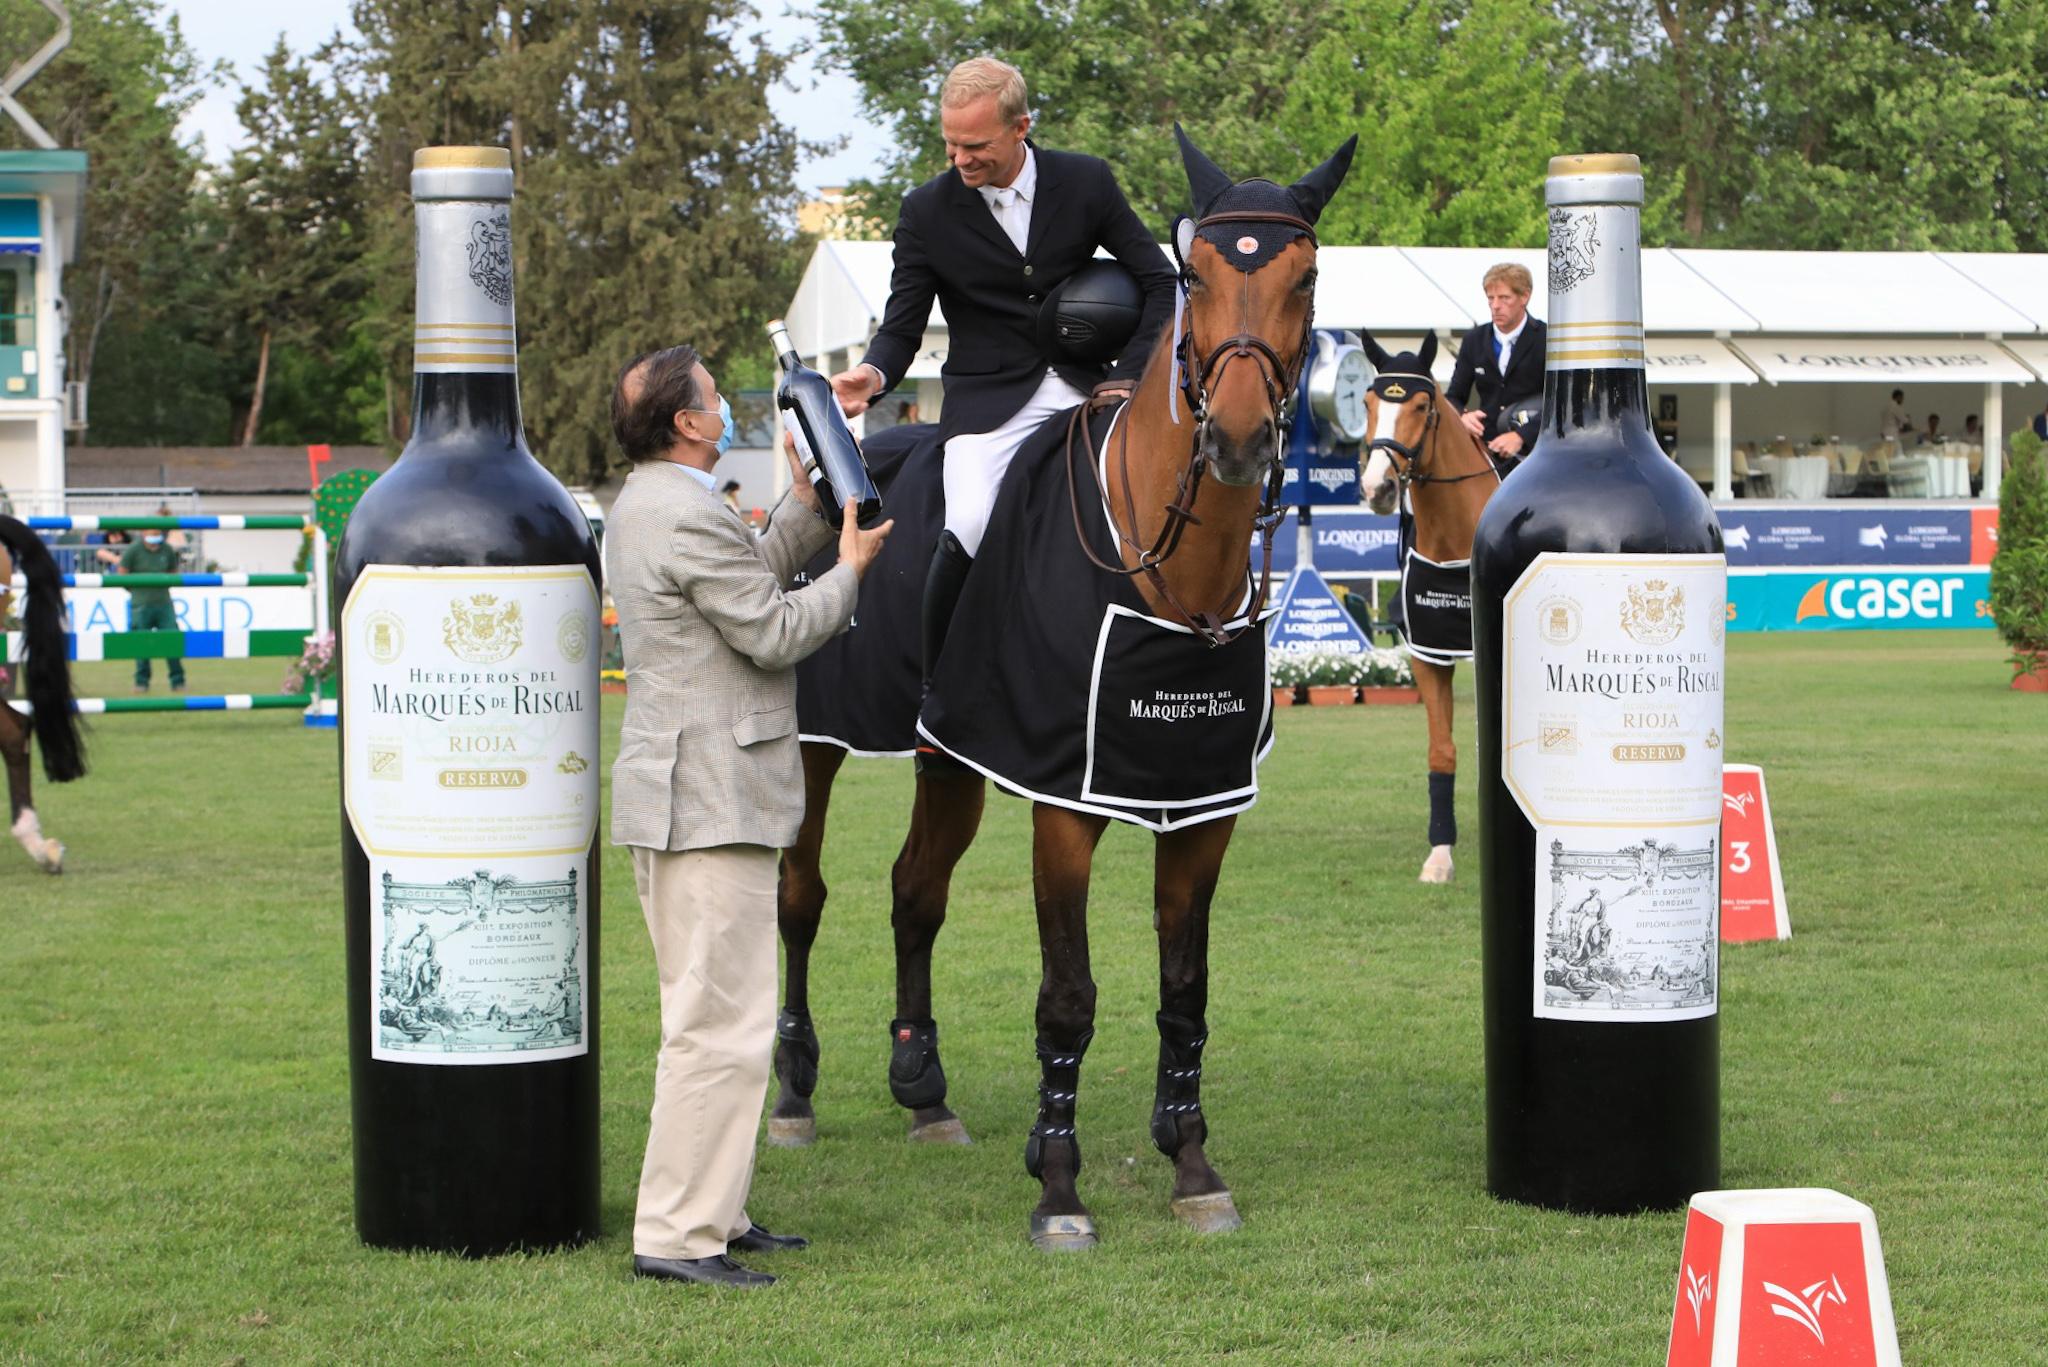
1752 881
1790 1277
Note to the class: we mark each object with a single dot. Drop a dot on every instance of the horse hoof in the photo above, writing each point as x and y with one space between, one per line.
1062 1233
1438 868
1210 1213
53 858
792 1131
947 1131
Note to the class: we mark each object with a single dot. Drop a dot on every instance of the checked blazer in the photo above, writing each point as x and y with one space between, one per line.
950 247
712 631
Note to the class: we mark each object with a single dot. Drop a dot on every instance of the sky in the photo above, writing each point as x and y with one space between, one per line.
823 105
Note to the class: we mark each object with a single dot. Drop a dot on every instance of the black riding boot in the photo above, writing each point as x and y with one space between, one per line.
950 563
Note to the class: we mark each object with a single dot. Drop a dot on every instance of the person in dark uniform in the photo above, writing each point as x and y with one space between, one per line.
1504 359
990 238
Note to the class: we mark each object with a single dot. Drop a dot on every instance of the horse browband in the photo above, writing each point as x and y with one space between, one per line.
1280 381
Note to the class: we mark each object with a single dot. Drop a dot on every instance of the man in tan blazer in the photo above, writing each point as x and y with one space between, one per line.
708 786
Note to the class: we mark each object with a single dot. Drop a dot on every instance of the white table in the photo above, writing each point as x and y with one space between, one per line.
1797 477
1931 476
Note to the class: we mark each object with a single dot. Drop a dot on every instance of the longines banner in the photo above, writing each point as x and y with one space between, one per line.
1351 542
1850 599
1858 536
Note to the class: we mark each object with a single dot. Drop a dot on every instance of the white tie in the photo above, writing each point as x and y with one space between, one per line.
1002 201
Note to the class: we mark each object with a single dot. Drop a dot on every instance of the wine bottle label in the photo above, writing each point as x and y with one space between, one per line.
1611 745
1596 288
469 772
464 317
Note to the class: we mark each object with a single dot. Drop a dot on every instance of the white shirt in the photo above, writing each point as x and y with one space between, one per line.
703 477
1504 343
1011 204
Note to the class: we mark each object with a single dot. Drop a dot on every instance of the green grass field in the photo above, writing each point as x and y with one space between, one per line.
174 1143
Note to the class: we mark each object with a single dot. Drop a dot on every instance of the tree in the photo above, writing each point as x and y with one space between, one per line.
1458 108
1827 124
1105 78
293 199
652 177
117 93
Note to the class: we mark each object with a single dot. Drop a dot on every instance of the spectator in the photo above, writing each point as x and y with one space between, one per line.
1973 431
1895 423
1932 436
1504 359
2041 424
906 412
149 608
115 542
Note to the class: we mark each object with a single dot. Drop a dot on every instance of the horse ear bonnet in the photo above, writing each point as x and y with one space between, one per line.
1248 245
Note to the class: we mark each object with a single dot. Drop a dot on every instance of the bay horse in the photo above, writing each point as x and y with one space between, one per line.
1211 401
47 676
1423 460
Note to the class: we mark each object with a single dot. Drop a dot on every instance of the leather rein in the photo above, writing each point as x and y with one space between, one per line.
1196 384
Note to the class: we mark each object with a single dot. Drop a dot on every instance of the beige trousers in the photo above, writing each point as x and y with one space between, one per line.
712 916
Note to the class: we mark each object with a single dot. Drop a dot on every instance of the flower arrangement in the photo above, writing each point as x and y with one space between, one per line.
1381 667
315 664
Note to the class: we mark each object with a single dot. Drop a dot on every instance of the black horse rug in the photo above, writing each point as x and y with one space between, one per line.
1056 680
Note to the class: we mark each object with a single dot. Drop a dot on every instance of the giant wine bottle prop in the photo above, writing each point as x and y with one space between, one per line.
1599 598
823 439
467 641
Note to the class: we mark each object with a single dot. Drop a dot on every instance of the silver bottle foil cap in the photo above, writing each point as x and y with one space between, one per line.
462 173
1594 178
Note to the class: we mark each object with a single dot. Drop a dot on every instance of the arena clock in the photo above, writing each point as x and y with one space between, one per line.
1337 382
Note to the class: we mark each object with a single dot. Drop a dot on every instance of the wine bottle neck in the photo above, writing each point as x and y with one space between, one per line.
1594 357
465 357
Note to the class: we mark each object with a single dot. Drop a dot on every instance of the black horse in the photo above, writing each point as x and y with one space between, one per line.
47 674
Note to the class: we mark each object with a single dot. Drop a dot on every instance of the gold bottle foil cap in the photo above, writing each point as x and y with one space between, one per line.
462 158
1597 164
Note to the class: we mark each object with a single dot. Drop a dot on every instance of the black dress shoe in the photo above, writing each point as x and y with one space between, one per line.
718 1270
759 1240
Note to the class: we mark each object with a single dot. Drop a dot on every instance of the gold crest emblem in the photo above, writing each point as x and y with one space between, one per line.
1558 620
1654 613
1394 391
384 637
481 631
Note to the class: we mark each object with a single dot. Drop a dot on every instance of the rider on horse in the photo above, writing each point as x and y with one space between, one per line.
991 238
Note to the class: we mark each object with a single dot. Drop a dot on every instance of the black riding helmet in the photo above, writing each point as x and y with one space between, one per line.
1090 317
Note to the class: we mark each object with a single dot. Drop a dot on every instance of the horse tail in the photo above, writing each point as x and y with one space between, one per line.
48 670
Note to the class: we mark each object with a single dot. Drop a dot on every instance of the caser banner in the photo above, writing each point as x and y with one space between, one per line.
1856 599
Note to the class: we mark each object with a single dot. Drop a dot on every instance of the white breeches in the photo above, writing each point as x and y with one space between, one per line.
975 461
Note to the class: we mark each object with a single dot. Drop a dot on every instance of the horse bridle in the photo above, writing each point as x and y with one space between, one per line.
1408 461
1195 384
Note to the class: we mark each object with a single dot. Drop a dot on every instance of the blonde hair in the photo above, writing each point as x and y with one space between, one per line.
978 76
1514 277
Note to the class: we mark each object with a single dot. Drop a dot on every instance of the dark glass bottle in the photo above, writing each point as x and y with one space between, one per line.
823 439
467 642
1599 598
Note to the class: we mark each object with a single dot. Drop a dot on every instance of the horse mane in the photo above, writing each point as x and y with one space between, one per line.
47 671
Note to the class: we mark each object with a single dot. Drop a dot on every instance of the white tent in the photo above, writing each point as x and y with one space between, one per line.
1964 324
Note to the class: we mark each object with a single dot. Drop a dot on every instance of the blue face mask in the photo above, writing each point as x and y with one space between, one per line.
724 442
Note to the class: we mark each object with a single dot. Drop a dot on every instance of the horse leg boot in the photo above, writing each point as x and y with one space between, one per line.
1062 851
943 822
799 907
1443 828
1187 864
1433 681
